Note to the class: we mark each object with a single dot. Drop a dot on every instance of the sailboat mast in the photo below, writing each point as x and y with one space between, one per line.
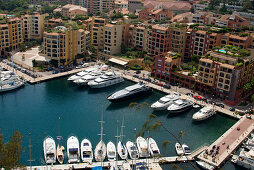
101 126
116 140
121 135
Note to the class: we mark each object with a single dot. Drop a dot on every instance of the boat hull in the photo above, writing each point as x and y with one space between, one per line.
106 84
138 94
9 88
180 110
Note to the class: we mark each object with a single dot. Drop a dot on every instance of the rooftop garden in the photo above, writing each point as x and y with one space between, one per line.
232 51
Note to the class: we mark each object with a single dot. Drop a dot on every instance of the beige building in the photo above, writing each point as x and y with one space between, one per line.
113 38
97 33
140 38
33 26
70 10
63 44
4 38
178 40
15 33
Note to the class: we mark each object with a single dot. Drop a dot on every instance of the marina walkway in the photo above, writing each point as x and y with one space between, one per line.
161 89
228 142
32 80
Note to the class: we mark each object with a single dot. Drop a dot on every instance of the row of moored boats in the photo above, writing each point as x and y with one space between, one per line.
141 149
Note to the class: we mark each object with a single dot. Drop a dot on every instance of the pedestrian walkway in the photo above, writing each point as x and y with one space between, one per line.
228 142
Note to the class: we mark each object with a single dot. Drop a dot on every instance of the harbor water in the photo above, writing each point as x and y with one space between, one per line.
35 109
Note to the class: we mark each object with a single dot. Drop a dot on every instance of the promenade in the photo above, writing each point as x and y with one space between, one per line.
228 142
32 80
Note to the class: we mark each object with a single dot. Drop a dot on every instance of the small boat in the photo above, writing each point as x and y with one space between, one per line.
142 147
153 147
100 152
196 106
132 150
165 101
122 151
141 166
111 151
60 154
139 89
108 79
49 148
204 113
73 149
180 105
186 149
86 151
179 149
205 165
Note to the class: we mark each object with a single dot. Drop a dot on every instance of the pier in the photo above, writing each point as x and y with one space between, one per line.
32 80
228 142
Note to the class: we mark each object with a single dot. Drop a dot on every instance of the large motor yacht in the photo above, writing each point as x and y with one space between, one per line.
165 101
204 113
180 105
108 79
49 148
245 159
86 78
138 89
80 74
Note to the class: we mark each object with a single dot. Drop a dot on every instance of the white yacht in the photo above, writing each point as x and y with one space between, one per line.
179 149
153 147
132 91
86 78
245 159
186 149
80 74
73 149
165 101
108 79
142 147
180 105
132 150
205 165
49 148
111 151
122 150
204 113
11 85
100 151
86 151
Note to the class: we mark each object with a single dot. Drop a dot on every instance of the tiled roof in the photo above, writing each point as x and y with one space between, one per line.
173 5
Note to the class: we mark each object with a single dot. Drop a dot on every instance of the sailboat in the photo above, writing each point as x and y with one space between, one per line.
121 148
59 149
100 149
11 82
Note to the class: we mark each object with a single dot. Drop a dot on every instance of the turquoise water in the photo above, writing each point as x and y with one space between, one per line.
35 109
223 51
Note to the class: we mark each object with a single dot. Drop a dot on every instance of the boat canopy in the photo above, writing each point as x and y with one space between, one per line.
73 149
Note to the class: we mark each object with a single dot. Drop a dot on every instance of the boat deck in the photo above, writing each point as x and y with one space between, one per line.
229 142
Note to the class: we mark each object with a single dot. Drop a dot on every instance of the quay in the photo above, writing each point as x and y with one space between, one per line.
228 142
32 80
167 91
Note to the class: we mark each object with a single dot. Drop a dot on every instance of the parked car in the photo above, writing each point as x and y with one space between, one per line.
50 69
55 72
148 79
174 83
220 105
138 72
197 97
189 94
61 67
159 84
167 86
85 65
231 109
136 76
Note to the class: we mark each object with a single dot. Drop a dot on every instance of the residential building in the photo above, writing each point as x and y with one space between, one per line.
140 34
236 40
248 16
134 5
97 33
121 4
70 10
4 38
155 14
178 40
159 40
33 26
234 21
113 38
183 18
221 75
48 1
200 6
16 36
231 7
203 17
52 22
63 44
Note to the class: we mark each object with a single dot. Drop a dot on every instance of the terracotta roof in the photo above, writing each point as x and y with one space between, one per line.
157 11
224 17
227 66
201 32
206 60
238 37
173 5
3 25
159 27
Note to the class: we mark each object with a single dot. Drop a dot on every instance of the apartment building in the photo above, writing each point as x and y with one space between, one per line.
134 5
164 64
63 44
97 33
48 1
236 40
33 26
140 35
220 75
4 38
52 22
234 21
16 36
159 40
178 40
121 4
113 39
70 10
155 14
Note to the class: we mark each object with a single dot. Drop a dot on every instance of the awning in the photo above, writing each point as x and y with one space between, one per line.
117 61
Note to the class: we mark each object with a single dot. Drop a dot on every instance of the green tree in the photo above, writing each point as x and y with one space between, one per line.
252 98
11 151
195 58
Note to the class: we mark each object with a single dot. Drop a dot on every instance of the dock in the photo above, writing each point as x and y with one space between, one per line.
228 142
167 91
32 80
